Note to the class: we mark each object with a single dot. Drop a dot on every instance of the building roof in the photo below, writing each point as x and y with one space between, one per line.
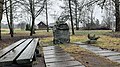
41 23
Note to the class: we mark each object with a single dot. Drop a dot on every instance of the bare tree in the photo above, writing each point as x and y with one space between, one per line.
76 11
117 15
47 17
33 8
9 8
11 19
117 12
1 12
73 33
7 15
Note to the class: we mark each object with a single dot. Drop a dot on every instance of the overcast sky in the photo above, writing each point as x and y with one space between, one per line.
98 13
55 9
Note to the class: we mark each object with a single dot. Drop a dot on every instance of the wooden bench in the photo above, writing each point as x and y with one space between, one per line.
22 52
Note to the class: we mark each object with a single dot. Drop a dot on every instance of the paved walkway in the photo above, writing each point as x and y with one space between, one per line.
55 57
112 55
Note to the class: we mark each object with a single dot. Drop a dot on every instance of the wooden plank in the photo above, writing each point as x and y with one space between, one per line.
9 48
28 53
9 57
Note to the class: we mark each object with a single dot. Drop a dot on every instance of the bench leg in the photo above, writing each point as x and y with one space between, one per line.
38 44
34 57
37 53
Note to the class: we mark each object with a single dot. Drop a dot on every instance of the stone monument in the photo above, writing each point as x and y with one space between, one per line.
61 33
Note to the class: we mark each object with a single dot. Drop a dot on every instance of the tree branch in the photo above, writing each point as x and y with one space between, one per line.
89 3
40 10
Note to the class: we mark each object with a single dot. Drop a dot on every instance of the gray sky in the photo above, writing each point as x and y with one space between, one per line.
55 9
98 13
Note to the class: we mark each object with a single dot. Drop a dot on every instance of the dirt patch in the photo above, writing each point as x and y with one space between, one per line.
88 58
39 62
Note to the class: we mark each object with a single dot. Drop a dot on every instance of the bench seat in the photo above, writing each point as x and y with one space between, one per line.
21 52
9 48
28 53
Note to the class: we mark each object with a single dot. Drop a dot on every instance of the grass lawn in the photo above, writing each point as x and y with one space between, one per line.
19 32
106 42
81 35
96 32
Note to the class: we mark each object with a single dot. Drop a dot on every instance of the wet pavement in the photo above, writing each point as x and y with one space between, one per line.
112 55
55 57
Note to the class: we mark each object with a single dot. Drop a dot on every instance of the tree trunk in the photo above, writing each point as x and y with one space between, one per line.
11 19
32 27
9 25
117 15
47 17
77 23
73 33
33 17
1 12
7 14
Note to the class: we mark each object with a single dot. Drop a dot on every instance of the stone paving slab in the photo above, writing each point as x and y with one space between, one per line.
58 59
55 51
56 54
109 54
92 48
112 55
51 48
65 64
48 53
79 43
102 51
117 61
76 66
55 57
